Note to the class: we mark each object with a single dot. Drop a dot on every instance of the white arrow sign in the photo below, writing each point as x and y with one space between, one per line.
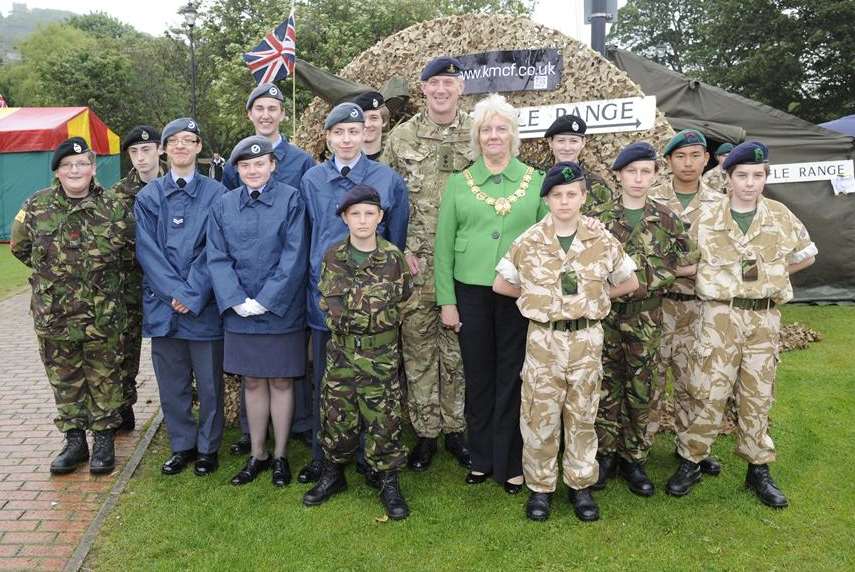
601 116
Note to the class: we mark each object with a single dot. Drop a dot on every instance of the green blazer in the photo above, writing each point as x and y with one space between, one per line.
471 237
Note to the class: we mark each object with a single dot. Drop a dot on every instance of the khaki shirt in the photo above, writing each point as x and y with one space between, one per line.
775 239
536 262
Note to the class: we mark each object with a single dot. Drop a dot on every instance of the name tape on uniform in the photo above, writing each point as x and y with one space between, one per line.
601 116
842 171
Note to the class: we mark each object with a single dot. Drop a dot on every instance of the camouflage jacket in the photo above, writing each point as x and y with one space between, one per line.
658 244
600 197
77 250
127 188
364 299
716 179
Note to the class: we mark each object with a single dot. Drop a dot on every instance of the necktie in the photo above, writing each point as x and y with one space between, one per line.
181 183
345 170
254 194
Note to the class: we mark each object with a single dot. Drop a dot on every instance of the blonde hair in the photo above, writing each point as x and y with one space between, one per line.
491 106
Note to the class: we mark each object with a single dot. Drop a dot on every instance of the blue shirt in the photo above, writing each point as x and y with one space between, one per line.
291 164
171 232
259 249
323 188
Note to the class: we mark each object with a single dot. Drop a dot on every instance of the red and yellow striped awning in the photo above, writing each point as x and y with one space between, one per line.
27 129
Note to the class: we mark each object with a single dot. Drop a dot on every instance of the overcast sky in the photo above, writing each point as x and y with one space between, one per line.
154 16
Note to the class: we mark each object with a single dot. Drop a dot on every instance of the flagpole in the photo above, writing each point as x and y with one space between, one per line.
294 78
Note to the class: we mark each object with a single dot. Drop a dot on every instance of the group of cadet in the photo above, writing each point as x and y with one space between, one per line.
524 307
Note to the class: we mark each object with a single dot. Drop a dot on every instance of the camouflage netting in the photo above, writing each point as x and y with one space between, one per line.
586 76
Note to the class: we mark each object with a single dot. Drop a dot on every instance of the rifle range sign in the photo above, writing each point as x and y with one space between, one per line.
601 116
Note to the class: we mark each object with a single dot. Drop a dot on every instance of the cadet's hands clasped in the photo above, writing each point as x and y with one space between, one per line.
250 307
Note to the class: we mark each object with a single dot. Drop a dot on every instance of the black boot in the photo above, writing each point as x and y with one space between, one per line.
537 507
330 482
636 478
710 466
608 468
129 421
75 452
687 474
242 446
103 453
311 472
372 477
391 497
583 504
760 482
455 444
422 454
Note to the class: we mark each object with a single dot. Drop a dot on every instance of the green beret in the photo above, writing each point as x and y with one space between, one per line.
685 138
724 149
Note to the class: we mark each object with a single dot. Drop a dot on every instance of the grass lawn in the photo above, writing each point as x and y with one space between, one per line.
183 522
13 274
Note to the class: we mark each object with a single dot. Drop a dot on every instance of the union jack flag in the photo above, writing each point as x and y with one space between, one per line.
273 58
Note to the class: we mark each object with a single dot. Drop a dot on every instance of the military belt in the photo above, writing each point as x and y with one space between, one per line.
572 325
680 297
637 306
753 303
367 341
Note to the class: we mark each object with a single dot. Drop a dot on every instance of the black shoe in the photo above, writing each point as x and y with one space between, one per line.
710 466
473 479
129 421
372 477
242 446
608 468
537 507
513 489
251 470
688 473
178 461
310 473
759 481
455 444
636 478
391 497
422 453
206 464
583 504
330 482
103 453
75 452
281 472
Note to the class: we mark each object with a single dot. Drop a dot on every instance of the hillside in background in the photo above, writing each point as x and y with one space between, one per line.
22 21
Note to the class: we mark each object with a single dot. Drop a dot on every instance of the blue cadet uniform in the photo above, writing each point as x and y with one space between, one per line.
172 220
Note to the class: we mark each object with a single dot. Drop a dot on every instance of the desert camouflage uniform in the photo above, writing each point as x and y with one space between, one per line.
562 369
716 179
360 385
741 277
680 309
658 244
426 154
77 248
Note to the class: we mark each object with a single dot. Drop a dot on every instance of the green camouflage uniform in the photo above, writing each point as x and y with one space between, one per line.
127 190
360 387
426 154
76 248
600 196
632 331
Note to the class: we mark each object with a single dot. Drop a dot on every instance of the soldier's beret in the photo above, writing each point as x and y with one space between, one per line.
140 134
73 146
344 113
561 174
177 126
638 151
443 65
724 149
356 195
369 100
685 138
747 153
572 124
264 90
250 148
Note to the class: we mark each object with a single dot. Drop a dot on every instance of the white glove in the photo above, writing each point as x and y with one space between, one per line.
255 308
242 310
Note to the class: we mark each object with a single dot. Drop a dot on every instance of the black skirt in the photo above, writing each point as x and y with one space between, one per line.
265 355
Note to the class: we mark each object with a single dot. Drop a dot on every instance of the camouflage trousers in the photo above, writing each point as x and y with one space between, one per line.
630 371
736 354
678 337
360 390
560 383
435 385
86 381
130 355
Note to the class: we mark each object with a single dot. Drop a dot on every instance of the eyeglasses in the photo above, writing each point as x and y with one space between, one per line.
79 165
180 141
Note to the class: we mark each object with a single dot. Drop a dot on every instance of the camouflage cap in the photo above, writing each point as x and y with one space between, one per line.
443 65
140 134
685 138
561 174
264 90
724 149
369 100
357 195
177 126
344 113
571 124
250 148
747 153
638 151
73 146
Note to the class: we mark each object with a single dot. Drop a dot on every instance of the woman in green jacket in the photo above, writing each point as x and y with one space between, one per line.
483 210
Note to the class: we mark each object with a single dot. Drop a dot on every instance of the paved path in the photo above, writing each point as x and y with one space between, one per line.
43 517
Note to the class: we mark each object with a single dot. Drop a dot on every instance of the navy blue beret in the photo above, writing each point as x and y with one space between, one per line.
638 151
357 195
747 153
561 174
369 100
73 146
443 65
250 148
264 90
344 113
724 149
141 134
177 126
572 124
685 138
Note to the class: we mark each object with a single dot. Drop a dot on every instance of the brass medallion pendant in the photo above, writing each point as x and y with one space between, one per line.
502 205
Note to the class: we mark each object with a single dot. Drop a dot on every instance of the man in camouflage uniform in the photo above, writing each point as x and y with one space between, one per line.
560 270
142 144
749 246
715 178
426 150
657 241
364 283
74 236
685 194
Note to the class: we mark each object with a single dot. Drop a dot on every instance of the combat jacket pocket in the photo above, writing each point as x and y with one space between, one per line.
42 301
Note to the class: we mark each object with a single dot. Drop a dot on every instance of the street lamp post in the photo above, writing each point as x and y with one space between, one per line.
190 12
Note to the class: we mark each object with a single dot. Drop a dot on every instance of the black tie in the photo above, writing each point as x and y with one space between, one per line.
181 183
345 170
254 194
